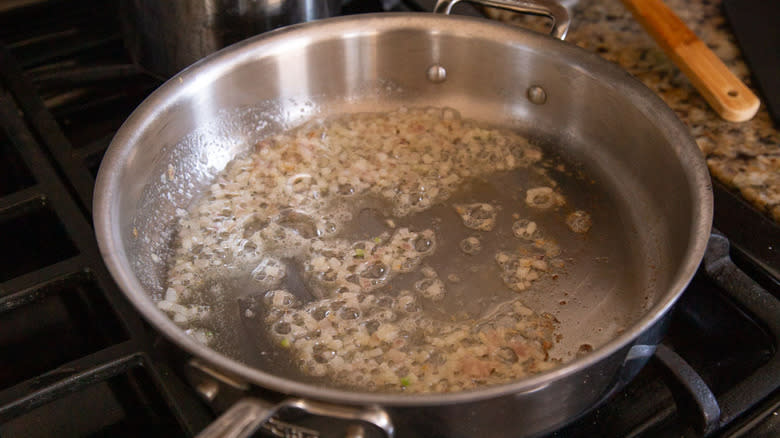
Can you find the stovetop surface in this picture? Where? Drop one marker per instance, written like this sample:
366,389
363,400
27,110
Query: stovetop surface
77,360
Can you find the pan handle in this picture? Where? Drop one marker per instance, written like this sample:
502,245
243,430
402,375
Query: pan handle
248,414
546,8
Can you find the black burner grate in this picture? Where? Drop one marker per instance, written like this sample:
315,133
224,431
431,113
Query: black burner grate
64,319
126,409
77,359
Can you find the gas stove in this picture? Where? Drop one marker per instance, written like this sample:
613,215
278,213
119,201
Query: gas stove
77,359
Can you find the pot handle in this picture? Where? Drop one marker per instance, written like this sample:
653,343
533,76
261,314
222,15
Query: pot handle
248,414
547,8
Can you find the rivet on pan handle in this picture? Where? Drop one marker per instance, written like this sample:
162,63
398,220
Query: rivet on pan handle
248,414
546,8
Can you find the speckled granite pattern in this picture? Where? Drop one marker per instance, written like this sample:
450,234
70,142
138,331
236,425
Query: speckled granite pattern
744,156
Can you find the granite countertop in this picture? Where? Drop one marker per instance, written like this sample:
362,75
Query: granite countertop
744,156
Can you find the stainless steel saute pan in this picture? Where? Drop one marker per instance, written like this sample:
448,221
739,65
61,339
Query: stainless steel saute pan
591,111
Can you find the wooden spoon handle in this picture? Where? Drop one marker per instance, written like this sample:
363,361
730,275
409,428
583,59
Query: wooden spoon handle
725,93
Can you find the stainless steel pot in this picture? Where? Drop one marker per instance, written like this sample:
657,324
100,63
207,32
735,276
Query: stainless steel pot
186,132
166,36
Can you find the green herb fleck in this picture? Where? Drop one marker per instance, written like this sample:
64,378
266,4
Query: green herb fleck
360,253
405,382
285,343
377,240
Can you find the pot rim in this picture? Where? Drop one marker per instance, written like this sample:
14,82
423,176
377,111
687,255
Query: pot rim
212,67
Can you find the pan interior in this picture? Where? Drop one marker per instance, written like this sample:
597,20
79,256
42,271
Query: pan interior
623,169
603,286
